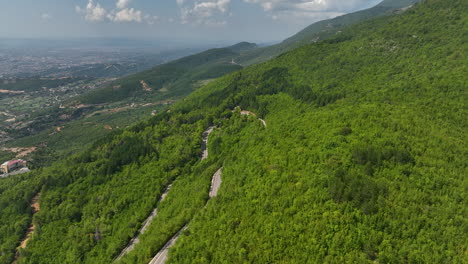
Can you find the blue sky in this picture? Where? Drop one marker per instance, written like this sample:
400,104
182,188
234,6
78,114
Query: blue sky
186,20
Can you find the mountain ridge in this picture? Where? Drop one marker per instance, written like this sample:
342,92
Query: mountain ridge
363,160
324,29
243,54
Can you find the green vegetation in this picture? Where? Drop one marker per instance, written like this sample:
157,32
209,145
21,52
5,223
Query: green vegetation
322,30
59,127
173,79
6,155
363,160
67,138
168,81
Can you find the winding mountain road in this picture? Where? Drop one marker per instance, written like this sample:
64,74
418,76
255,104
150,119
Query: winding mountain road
162,255
245,112
216,183
205,136
144,227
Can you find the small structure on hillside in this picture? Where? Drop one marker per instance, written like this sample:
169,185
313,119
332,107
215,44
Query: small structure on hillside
12,165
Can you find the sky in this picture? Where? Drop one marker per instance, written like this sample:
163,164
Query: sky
259,21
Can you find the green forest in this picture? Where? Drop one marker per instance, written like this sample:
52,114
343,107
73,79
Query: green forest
173,79
322,30
362,160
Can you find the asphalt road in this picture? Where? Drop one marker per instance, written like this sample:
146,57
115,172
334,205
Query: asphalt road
205,136
245,112
161,256
146,224
215,183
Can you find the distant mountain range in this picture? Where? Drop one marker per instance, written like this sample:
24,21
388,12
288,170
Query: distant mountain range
180,77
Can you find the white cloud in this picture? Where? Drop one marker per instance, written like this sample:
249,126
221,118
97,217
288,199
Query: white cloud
94,12
121,4
46,16
126,15
212,11
310,9
312,5
203,12
215,12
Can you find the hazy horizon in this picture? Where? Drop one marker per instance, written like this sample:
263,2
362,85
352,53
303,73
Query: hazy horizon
188,21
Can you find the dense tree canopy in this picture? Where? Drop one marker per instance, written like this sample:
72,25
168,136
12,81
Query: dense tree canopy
363,159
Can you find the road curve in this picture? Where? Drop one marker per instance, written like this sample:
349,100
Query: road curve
205,136
146,224
245,112
161,257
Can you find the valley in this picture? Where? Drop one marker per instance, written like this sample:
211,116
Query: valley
41,117
36,117
74,112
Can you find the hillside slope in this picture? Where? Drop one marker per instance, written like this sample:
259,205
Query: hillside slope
80,118
362,160
150,91
171,80
322,30
180,77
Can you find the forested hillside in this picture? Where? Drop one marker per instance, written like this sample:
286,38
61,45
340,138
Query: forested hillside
362,159
322,30
173,79
113,106
180,77
88,110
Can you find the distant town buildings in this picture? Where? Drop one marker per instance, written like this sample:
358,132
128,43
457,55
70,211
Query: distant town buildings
12,165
